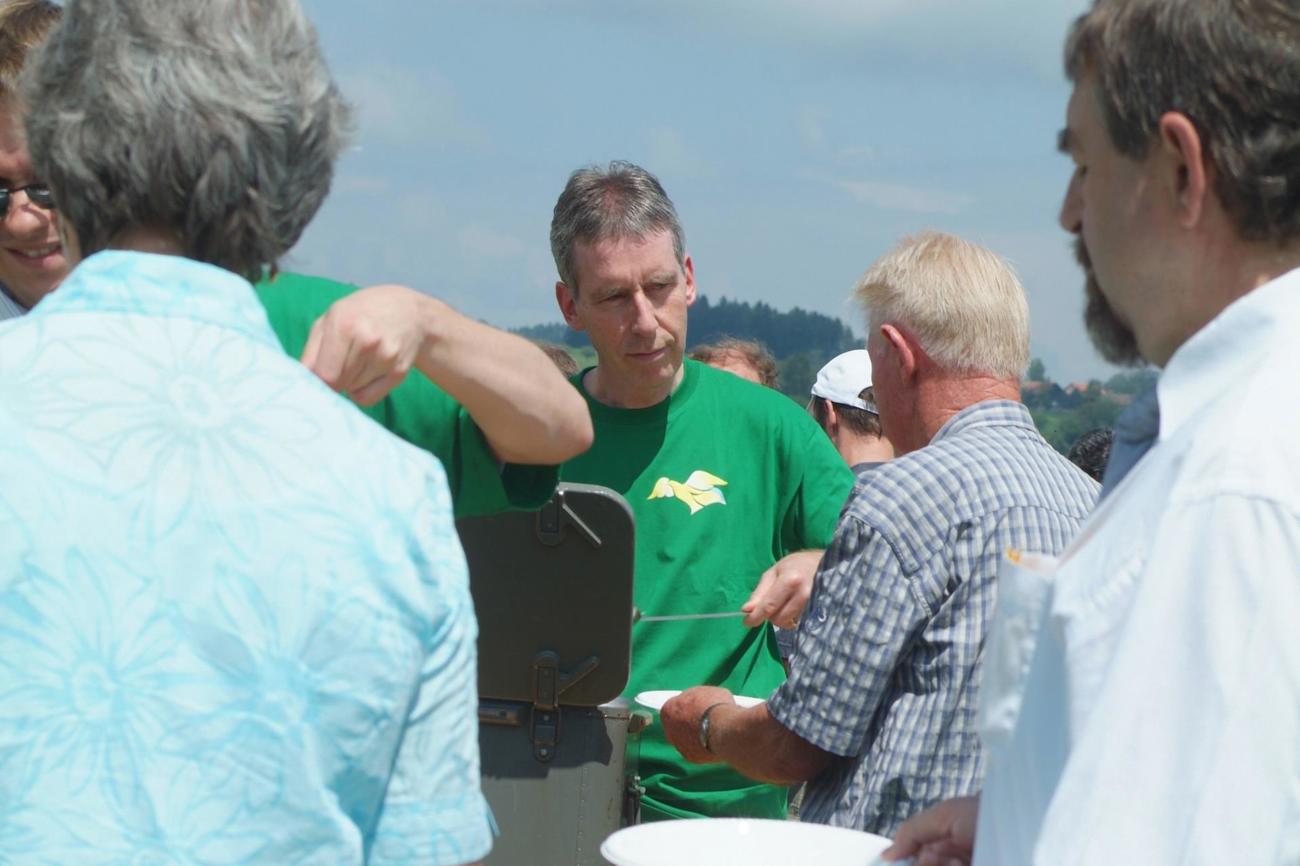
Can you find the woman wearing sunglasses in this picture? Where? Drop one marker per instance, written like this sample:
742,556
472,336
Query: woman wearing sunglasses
31,256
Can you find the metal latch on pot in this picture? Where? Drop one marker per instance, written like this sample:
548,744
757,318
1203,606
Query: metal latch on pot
554,516
548,685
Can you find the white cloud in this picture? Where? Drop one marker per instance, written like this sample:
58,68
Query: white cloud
353,240
831,16
1017,35
864,153
835,18
362,184
479,241
901,197
812,126
409,106
671,155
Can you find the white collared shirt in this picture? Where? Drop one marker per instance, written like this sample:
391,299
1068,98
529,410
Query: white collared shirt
1144,705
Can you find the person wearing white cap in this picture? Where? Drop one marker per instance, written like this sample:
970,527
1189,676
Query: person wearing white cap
844,405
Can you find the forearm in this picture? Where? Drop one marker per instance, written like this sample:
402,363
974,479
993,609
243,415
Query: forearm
526,409
760,747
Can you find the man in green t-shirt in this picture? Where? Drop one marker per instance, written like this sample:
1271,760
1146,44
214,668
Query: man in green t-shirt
732,484
499,417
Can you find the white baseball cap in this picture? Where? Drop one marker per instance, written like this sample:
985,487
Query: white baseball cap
845,377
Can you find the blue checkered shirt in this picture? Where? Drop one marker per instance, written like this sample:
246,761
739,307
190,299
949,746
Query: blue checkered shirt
889,649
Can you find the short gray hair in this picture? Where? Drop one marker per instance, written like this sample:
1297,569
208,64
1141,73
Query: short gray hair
215,119
962,302
601,203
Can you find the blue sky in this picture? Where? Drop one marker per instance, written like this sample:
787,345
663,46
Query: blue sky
799,140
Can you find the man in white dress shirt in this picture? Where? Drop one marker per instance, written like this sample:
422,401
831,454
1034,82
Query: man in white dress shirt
1142,705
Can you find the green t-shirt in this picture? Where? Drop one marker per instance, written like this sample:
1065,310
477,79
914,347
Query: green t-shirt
701,546
416,410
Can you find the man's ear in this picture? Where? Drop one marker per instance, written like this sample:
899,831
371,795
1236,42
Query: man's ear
902,347
568,302
832,419
688,268
1182,166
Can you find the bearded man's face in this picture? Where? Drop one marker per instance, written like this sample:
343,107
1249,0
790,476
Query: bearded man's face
1113,339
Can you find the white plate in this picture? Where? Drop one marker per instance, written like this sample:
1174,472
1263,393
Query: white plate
656,699
747,841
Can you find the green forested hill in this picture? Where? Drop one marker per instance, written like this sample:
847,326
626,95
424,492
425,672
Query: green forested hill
802,342
1064,413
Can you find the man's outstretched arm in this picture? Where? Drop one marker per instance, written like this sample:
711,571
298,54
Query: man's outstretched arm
750,740
365,344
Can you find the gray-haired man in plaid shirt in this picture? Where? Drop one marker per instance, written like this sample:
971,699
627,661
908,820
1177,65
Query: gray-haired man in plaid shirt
879,712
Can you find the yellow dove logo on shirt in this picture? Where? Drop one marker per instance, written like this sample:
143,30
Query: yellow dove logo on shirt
698,491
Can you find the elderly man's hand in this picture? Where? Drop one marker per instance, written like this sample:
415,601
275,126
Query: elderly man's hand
681,720
943,835
366,343
783,590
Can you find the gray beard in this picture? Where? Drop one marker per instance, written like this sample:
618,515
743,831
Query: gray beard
1113,340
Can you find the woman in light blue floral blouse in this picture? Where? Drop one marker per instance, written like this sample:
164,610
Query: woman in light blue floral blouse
235,624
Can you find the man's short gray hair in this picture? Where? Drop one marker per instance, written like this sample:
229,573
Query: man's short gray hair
213,119
962,302
615,202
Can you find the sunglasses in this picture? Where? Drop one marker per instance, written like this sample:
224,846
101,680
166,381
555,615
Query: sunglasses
37,193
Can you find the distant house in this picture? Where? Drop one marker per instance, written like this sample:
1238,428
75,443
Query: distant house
1079,390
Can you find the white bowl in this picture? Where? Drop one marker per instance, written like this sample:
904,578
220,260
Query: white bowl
745,841
656,699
